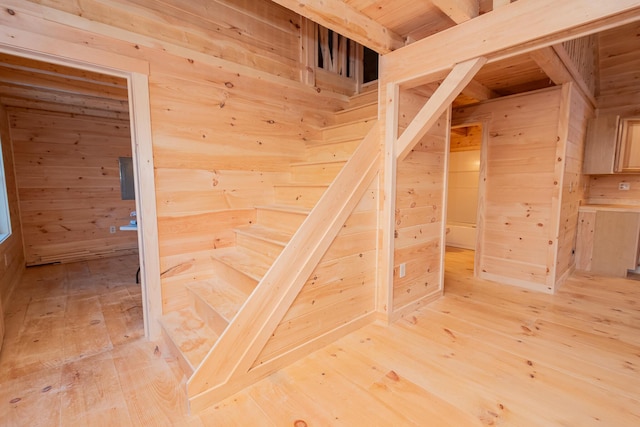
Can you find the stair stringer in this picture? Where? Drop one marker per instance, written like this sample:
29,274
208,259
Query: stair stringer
228,367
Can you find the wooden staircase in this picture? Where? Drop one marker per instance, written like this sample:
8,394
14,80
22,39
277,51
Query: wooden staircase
192,331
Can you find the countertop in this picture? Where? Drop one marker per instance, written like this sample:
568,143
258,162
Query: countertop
609,207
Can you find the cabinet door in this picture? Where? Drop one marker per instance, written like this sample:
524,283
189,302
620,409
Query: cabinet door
601,145
615,243
629,157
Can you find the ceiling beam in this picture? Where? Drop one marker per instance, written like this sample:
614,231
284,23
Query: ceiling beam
344,19
510,30
459,77
478,91
551,65
458,10
560,69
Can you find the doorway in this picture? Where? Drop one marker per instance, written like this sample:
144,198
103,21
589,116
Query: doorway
464,190
137,100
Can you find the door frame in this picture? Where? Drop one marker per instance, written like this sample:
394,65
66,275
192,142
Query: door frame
136,73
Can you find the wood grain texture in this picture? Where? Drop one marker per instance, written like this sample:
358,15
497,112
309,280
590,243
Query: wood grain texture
521,183
68,181
483,354
419,213
577,112
11,248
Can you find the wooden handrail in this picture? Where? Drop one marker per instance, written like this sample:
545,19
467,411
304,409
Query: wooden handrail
247,334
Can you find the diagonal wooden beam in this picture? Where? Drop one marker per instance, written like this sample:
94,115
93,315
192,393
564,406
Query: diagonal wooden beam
346,20
451,87
458,10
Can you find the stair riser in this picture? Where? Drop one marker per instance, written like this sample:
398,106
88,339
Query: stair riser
332,152
175,350
266,248
323,173
284,221
213,319
367,97
306,197
347,131
235,277
362,112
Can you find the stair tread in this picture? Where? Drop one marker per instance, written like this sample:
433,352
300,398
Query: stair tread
319,162
190,334
300,185
358,107
265,233
347,124
224,298
251,264
286,208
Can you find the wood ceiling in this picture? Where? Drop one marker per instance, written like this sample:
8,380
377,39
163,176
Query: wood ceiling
28,83
382,25
387,25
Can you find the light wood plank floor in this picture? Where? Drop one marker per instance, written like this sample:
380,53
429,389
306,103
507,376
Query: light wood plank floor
484,354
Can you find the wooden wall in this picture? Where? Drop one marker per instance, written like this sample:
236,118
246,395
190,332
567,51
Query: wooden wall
419,210
223,133
68,179
11,255
522,188
258,34
619,93
574,115
222,140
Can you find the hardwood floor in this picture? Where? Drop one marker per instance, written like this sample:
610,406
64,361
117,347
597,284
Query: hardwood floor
484,354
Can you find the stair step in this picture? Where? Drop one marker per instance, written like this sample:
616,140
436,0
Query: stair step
265,240
346,131
316,172
367,96
330,151
189,336
240,267
216,302
365,111
299,194
282,217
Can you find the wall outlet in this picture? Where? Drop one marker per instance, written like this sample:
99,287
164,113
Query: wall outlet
403,269
112,229
625,186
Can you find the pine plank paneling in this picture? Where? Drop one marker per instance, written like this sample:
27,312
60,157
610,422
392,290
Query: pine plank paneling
11,253
578,111
68,181
420,199
619,56
519,219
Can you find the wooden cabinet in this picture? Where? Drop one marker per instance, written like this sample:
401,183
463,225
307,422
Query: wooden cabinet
612,145
601,145
607,241
629,145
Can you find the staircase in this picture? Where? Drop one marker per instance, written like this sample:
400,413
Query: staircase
192,332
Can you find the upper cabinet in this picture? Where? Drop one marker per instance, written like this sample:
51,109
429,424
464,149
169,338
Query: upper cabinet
629,151
601,145
612,146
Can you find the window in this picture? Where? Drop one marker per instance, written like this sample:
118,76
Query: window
5,222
